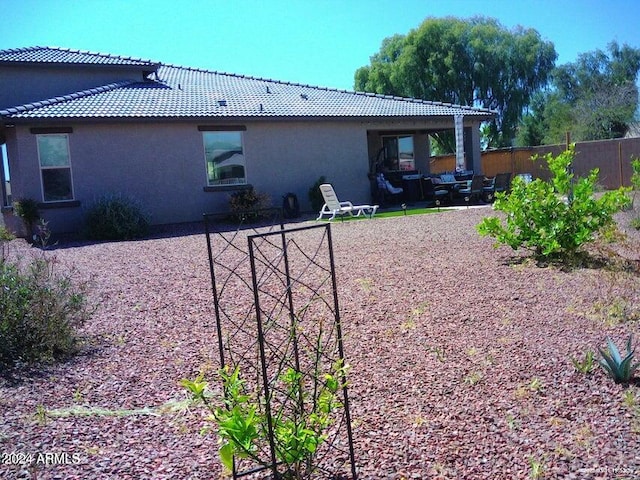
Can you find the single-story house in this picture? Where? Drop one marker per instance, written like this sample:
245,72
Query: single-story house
77,125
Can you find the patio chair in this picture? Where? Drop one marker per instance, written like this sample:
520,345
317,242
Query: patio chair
489,190
333,206
387,193
474,190
500,183
504,182
433,194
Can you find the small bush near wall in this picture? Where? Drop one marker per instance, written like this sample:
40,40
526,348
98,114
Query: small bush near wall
27,210
247,201
116,217
40,310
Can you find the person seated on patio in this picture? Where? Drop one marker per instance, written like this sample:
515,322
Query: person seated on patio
386,189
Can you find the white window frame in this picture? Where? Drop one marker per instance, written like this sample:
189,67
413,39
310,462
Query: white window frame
55,167
231,180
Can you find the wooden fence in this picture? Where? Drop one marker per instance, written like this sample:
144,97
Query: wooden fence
611,157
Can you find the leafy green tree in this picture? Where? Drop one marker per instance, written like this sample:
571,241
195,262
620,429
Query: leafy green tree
532,125
594,98
473,62
546,121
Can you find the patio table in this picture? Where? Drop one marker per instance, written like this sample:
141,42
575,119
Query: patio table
452,187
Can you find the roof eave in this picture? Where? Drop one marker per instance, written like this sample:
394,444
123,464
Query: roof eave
7,117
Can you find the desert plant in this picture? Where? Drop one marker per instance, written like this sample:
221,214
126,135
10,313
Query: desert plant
554,218
536,467
40,311
243,428
473,378
585,365
629,399
27,210
42,233
116,217
246,204
536,385
315,196
618,368
5,237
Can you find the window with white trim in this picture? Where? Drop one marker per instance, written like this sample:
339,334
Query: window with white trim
224,157
55,167
398,152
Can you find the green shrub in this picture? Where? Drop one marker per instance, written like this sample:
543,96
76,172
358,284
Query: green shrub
248,200
315,196
243,428
115,217
635,176
635,181
586,365
27,210
41,234
5,237
554,218
40,311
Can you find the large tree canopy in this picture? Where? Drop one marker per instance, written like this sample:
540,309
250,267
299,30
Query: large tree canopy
594,98
474,62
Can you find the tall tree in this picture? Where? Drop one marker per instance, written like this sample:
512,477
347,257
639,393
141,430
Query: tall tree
474,62
594,98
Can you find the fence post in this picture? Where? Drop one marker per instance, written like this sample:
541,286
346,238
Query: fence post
620,163
513,162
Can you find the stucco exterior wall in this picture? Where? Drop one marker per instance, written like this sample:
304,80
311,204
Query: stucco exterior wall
291,156
162,166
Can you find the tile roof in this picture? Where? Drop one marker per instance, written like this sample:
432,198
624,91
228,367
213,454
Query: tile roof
178,92
58,55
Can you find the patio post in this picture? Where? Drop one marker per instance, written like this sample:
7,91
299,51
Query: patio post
460,161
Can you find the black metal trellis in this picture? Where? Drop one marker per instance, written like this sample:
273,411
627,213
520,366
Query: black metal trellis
276,307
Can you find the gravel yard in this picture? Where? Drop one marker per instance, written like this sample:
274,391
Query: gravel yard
460,360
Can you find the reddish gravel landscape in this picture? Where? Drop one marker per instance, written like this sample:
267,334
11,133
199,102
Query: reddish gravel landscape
460,354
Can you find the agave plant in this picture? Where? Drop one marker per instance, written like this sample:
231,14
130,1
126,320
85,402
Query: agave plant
618,368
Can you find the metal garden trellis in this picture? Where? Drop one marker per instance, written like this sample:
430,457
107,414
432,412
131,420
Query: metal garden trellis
276,307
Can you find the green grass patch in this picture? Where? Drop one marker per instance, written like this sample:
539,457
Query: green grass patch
401,213
389,214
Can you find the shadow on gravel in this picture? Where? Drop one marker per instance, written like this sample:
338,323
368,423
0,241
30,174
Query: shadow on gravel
582,260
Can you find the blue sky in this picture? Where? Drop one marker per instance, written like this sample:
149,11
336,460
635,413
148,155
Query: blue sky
308,41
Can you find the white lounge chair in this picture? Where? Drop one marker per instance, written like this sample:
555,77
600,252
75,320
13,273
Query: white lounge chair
332,206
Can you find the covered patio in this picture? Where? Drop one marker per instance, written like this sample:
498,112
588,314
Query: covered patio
403,156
